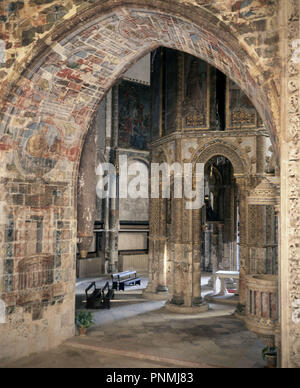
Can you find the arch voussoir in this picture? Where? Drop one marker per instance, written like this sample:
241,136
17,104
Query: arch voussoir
66,85
229,151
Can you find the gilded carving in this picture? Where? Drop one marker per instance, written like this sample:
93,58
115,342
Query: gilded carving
242,117
195,120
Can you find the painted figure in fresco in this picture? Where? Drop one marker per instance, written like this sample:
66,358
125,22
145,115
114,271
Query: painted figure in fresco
37,145
139,134
195,100
247,8
134,116
45,145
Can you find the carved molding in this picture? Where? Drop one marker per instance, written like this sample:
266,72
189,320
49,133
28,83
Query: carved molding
220,148
290,238
264,194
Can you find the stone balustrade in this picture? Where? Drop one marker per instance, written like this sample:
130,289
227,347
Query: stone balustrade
262,304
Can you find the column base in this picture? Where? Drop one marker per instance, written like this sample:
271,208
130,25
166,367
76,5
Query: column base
162,289
156,295
222,299
240,311
181,309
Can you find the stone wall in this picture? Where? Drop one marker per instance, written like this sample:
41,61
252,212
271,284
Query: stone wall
290,185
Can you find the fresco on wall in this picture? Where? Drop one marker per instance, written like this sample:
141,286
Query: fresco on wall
195,104
42,145
250,8
243,10
241,113
170,91
134,115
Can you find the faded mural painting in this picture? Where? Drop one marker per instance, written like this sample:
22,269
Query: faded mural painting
134,115
42,145
241,112
196,93
248,9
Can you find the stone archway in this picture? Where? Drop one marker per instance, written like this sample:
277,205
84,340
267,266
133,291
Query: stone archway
241,171
229,151
45,123
77,71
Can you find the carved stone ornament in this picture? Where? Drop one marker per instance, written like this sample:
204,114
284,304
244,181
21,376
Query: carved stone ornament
264,194
243,117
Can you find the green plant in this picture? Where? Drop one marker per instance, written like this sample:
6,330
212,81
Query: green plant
84,320
269,350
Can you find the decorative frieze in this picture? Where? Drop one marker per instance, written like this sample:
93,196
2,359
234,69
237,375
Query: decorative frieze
262,304
290,178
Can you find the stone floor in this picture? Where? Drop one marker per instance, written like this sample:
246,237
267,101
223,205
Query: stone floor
138,333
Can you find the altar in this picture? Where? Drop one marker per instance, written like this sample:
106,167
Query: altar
223,276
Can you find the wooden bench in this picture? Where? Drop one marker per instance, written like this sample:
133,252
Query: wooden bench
116,279
99,298
93,299
122,279
106,297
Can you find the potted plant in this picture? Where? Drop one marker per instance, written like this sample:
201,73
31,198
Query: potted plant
269,354
84,320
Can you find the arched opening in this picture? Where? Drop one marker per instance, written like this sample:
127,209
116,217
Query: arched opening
220,223
64,90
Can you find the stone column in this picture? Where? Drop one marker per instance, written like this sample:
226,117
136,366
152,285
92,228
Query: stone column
187,272
207,246
107,157
227,254
177,219
187,260
214,253
278,330
114,224
162,248
152,263
157,287
221,245
87,194
236,233
260,154
183,246
244,249
197,299
184,261
178,205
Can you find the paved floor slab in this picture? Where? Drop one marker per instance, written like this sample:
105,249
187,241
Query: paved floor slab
138,333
